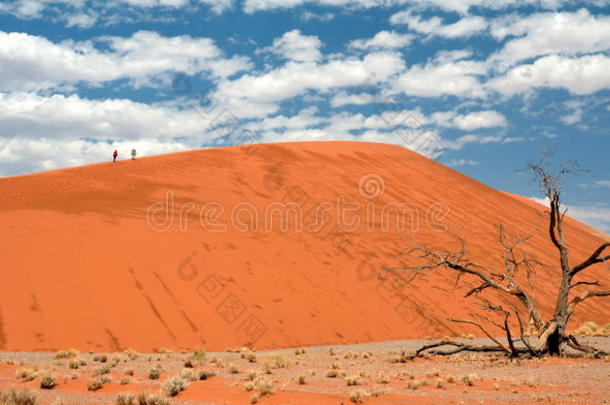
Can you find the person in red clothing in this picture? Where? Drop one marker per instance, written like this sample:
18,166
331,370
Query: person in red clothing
115,155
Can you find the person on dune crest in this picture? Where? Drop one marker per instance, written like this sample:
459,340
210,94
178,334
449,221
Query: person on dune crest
115,155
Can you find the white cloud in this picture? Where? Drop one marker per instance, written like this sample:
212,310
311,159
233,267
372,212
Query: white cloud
462,141
462,162
298,47
218,6
383,40
439,78
465,27
602,183
342,98
29,115
31,62
308,16
459,6
583,75
550,33
294,78
470,122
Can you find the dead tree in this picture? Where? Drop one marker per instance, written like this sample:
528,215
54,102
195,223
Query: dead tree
550,336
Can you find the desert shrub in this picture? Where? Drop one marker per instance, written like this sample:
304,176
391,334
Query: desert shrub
414,384
125,381
106,369
74,364
188,364
251,376
469,379
249,355
265,387
301,379
26,374
48,382
333,373
125,399
131,354
175,386
188,374
354,380
102,358
592,329
440,383
357,396
149,399
382,379
233,369
275,361
200,356
97,383
375,392
299,351
154,374
205,374
66,354
14,397
129,372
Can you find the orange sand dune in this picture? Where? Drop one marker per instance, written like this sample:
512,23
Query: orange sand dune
168,252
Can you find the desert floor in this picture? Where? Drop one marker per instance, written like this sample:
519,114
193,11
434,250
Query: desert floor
372,373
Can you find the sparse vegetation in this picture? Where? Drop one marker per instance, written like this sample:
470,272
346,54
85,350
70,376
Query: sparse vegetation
14,397
200,356
205,374
354,380
66,354
101,358
105,369
48,382
97,383
358,396
125,399
175,386
27,374
275,361
144,398
154,374
592,329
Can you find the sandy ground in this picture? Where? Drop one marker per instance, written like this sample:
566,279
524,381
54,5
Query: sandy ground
85,266
462,379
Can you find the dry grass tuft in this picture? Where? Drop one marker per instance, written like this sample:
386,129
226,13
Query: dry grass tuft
358,396
14,397
175,386
48,382
66,354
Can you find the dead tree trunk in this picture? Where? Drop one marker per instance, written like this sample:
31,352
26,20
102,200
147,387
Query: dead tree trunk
551,333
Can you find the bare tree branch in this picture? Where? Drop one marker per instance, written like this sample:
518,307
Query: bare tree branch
593,259
478,325
586,295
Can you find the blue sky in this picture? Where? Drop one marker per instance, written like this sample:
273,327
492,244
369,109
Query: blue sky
482,86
